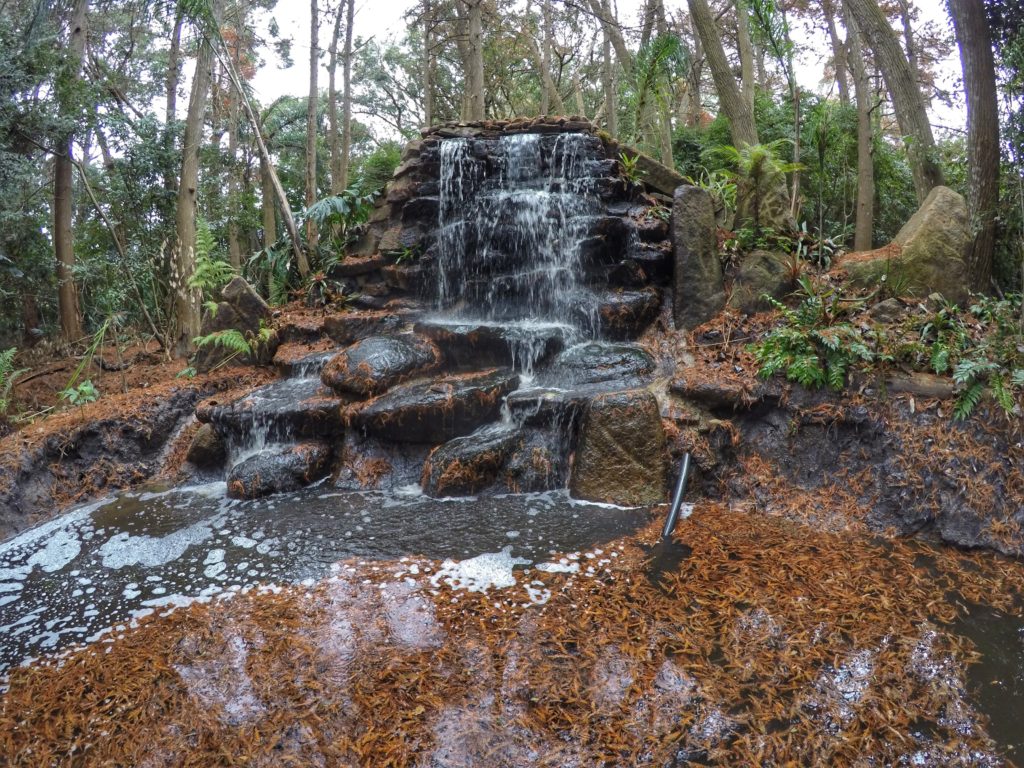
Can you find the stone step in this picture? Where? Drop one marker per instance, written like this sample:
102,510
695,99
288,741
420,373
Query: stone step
278,469
478,344
282,410
375,364
436,411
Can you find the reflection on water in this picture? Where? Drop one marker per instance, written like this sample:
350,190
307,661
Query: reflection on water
108,563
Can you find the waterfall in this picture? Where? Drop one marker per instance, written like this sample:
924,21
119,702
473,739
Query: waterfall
513,214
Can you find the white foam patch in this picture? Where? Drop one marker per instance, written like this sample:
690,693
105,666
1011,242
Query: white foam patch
562,566
480,573
62,547
148,551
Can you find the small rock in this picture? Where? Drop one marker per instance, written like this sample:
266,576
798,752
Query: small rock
762,272
207,449
467,465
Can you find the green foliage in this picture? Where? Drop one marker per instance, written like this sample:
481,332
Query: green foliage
8,375
373,170
815,345
628,166
994,363
212,273
230,339
338,216
81,394
756,170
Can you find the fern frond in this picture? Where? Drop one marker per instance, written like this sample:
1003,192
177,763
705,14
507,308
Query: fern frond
968,401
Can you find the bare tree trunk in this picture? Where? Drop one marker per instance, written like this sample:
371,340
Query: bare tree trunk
267,206
901,80
733,103
911,44
976,58
333,134
611,28
695,106
746,48
839,57
187,300
864,228
346,95
173,76
428,64
234,176
63,164
475,64
611,107
545,93
311,123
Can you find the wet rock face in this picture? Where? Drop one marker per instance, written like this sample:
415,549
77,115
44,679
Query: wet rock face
762,272
278,469
285,409
436,411
622,455
627,314
466,465
469,345
595,363
374,365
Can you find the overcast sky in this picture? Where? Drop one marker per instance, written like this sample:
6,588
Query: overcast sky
383,19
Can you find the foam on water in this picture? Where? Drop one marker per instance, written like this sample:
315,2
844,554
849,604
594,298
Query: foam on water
491,570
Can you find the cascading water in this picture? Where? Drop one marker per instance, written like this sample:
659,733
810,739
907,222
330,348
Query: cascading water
512,220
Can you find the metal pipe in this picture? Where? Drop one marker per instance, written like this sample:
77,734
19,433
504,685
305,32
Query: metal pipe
677,498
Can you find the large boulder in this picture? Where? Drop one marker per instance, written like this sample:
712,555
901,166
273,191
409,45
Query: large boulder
278,469
698,289
436,411
595,362
622,456
374,365
242,310
928,254
762,272
475,345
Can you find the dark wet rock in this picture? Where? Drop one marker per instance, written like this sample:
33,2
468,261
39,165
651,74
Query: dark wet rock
698,289
369,463
596,362
242,310
278,469
296,360
540,462
627,274
467,465
761,273
436,411
377,363
207,450
650,226
543,407
405,277
655,259
349,327
622,456
476,345
627,314
285,409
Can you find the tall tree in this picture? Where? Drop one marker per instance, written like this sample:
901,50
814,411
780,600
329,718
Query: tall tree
840,58
346,95
977,60
428,63
864,226
333,134
63,166
608,83
472,49
733,103
901,81
186,298
311,120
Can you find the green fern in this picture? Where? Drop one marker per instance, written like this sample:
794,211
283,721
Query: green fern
212,273
968,400
231,340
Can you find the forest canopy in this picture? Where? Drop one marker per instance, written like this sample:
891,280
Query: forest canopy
141,168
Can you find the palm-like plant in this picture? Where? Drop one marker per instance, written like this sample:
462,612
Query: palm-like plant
756,169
